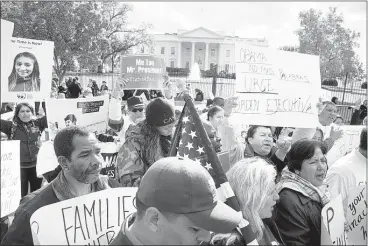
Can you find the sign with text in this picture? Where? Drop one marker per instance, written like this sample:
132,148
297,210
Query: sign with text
10,177
91,113
93,219
333,219
143,72
348,142
274,85
357,216
27,72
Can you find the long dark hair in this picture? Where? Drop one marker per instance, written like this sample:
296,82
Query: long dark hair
35,76
19,106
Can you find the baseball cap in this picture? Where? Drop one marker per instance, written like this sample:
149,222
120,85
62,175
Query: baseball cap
182,186
135,102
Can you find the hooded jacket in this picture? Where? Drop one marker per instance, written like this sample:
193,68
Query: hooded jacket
29,135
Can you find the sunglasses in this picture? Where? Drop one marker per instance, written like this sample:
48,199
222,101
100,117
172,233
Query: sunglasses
135,110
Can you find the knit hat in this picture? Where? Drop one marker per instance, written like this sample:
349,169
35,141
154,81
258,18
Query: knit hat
160,112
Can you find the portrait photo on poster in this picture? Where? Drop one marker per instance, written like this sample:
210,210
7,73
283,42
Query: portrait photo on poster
25,75
27,72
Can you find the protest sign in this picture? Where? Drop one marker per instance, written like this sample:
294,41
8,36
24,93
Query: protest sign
10,176
27,72
333,232
348,142
91,113
357,216
276,88
6,34
109,152
143,72
93,219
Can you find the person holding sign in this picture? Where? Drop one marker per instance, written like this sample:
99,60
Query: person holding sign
176,205
301,194
28,130
25,75
78,153
253,182
349,171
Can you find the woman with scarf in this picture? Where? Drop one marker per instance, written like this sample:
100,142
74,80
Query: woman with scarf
259,142
28,130
302,194
253,182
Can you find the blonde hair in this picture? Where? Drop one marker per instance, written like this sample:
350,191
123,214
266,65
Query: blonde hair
252,180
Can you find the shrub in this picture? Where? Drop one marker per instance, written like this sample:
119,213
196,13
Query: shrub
330,82
364,85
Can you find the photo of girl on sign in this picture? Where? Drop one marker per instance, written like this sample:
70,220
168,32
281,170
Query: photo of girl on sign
25,75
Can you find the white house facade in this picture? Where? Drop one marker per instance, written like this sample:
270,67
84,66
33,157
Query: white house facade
202,46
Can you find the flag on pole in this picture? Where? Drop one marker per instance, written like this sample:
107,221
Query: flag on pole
191,141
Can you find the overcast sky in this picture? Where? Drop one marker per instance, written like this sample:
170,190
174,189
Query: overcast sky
275,21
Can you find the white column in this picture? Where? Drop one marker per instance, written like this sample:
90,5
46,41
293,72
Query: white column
193,50
179,55
206,57
219,57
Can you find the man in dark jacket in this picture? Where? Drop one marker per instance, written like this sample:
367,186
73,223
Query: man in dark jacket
78,154
74,90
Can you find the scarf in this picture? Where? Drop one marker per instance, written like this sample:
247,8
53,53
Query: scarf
294,182
62,191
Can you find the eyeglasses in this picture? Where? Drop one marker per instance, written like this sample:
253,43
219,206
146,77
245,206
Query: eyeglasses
135,110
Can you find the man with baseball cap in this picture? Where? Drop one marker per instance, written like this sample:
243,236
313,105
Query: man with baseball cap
135,114
176,205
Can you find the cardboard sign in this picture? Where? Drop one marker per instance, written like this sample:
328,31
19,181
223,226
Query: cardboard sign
93,219
357,216
91,113
348,142
274,85
332,224
143,72
27,72
10,177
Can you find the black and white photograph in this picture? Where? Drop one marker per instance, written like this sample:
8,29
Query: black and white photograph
183,123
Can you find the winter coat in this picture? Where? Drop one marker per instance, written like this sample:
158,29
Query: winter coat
298,218
132,161
29,135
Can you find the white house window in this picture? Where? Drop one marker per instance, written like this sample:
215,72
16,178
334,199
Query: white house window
172,64
227,68
227,53
173,50
213,52
142,49
162,50
187,65
211,66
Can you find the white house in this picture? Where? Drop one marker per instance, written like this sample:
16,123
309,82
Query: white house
207,48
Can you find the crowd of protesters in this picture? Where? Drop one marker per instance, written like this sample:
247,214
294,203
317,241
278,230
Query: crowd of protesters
280,175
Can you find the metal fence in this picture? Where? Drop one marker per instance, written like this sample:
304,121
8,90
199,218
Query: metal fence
221,79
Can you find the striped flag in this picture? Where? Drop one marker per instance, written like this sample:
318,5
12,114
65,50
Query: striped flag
191,141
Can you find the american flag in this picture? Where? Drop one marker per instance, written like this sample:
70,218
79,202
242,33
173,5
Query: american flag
191,141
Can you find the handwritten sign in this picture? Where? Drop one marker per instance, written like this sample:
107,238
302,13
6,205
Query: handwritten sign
348,142
143,71
27,73
274,85
333,223
10,177
357,216
91,113
93,219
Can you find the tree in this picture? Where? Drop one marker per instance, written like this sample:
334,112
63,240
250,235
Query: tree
87,32
325,36
115,38
71,26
